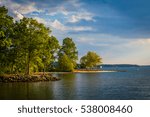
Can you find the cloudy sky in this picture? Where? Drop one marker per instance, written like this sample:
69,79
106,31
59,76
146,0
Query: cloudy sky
118,30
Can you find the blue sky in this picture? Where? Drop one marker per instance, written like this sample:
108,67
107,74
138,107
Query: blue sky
118,30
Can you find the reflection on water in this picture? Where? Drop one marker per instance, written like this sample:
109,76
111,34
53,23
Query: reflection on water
133,84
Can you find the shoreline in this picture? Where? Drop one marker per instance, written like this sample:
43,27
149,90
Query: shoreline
93,71
47,76
87,71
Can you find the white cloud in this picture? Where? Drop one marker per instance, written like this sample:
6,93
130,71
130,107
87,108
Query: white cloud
59,26
70,9
99,39
86,40
41,20
56,10
63,10
82,15
134,51
140,42
99,44
80,28
74,14
23,9
29,8
115,49
75,3
18,15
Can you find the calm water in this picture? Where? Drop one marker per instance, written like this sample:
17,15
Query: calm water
133,84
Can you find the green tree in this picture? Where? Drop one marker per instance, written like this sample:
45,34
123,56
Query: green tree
70,49
53,43
6,31
65,63
30,41
50,52
90,60
54,46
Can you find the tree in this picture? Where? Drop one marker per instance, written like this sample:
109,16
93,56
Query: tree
54,46
30,40
90,60
69,48
65,63
50,52
6,31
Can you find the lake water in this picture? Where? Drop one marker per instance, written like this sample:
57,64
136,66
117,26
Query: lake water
132,84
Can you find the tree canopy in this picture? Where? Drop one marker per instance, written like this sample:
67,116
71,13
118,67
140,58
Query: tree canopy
6,32
90,60
69,48
31,39
25,45
65,63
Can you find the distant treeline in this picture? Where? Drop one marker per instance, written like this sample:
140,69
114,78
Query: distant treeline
118,65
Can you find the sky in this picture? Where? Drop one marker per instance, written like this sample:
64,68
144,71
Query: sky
117,30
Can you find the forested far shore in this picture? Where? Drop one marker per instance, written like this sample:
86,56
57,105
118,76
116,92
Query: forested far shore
27,46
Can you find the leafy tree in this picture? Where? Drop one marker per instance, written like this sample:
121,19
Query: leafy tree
6,31
53,43
54,46
65,63
69,48
90,60
50,52
30,40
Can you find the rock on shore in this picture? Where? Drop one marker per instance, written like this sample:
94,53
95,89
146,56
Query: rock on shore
27,78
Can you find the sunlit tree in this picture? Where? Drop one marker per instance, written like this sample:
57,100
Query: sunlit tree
90,60
69,48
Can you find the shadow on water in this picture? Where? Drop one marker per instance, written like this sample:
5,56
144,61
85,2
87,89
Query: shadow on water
27,91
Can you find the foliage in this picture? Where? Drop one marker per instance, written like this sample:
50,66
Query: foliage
25,46
30,40
90,60
69,48
65,63
6,31
50,52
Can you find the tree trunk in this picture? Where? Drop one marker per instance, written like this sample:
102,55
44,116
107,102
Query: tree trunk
28,68
28,65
